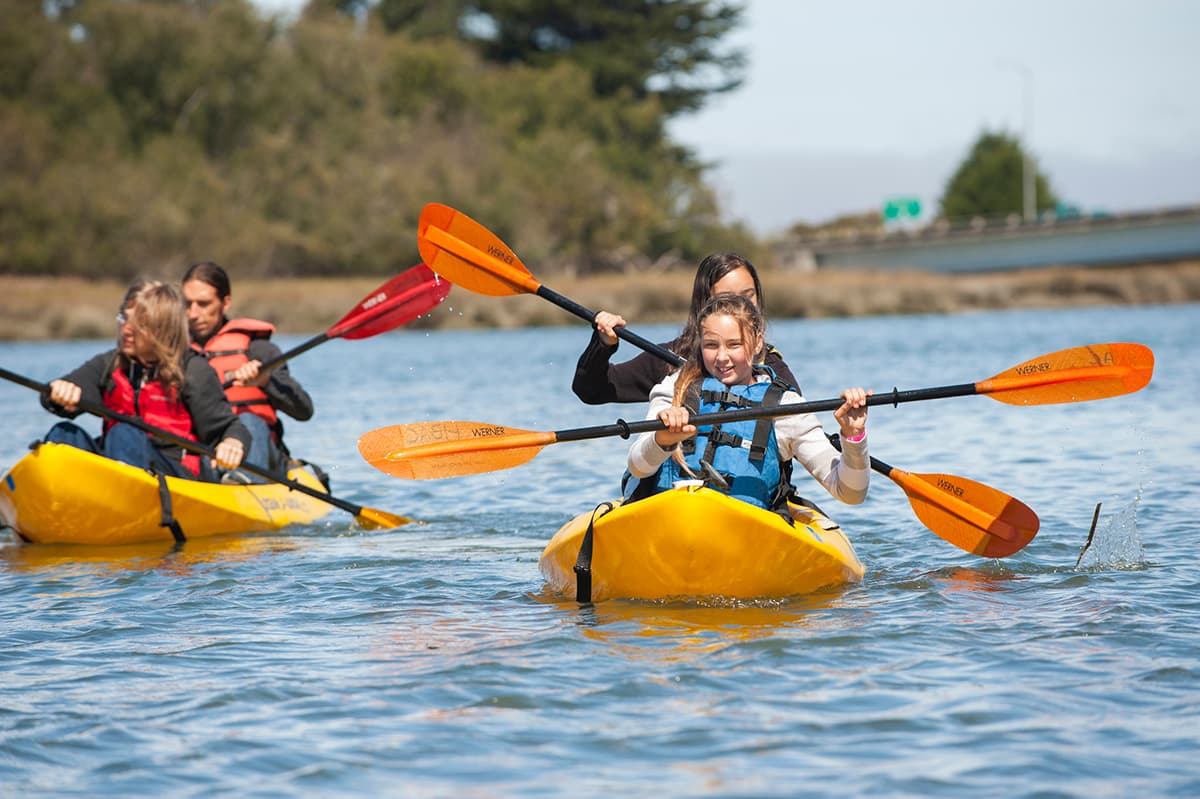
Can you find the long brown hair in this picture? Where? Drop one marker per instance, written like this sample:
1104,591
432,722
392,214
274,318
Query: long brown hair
159,315
750,322
708,274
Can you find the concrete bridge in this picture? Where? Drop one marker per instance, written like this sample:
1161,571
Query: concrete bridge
1009,243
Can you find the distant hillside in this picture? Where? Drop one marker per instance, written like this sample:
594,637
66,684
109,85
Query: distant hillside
62,308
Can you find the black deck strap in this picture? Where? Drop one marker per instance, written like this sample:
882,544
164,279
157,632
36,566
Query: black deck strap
164,501
583,561
805,502
321,474
785,487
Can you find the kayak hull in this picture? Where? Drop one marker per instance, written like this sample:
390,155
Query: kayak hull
62,494
696,542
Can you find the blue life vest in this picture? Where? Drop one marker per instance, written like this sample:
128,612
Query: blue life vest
744,453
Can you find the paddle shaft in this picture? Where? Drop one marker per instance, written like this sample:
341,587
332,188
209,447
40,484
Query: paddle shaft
191,446
568,304
625,429
287,356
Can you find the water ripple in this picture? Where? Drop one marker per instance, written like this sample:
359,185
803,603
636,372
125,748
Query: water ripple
431,660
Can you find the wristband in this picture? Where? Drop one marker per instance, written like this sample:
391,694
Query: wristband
855,439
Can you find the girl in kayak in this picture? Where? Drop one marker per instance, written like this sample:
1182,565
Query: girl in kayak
152,374
597,381
724,370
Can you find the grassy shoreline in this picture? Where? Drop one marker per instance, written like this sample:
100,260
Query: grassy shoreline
45,308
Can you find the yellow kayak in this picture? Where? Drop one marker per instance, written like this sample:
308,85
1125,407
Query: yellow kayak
693,541
61,494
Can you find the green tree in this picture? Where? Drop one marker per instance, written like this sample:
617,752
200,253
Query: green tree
136,137
670,50
990,181
422,19
667,49
179,66
419,19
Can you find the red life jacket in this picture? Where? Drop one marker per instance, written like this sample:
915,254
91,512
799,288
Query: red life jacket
155,405
226,351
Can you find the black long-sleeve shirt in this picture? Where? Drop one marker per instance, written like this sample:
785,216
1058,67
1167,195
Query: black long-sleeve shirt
597,381
284,391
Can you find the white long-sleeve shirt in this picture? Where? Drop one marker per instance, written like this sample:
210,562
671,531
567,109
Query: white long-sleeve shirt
845,475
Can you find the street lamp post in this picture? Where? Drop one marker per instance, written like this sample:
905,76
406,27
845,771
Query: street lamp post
1028,170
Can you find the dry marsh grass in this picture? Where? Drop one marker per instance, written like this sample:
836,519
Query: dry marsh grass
64,308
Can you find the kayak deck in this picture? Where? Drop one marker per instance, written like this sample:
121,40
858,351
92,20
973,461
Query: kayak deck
61,494
694,541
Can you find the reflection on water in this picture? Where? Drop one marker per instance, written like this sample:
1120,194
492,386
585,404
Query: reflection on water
431,639
993,579
667,631
65,560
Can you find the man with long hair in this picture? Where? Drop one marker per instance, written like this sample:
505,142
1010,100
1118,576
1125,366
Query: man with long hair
236,349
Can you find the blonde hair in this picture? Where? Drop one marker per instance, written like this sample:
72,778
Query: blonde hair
158,313
750,322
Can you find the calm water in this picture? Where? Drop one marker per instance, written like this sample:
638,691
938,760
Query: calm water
429,661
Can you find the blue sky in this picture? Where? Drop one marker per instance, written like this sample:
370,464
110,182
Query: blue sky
846,105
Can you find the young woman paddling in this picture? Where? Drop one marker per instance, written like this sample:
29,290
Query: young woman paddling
724,371
152,374
597,381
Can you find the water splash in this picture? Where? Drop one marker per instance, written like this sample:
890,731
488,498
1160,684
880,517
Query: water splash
1115,542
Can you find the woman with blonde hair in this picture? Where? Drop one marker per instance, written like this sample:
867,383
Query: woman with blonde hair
152,374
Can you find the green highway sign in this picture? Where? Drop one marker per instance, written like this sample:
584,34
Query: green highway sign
900,207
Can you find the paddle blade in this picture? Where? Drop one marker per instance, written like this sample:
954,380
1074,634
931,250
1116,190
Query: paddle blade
397,302
431,450
374,519
469,254
970,515
1077,374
